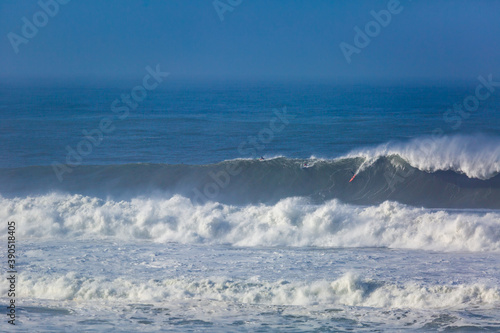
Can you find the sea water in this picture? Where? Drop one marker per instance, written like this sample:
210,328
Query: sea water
172,221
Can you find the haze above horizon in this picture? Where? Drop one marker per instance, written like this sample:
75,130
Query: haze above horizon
250,39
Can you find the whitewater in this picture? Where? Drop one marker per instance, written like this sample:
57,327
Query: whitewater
293,222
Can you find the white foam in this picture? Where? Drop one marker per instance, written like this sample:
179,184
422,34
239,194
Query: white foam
349,290
476,156
290,222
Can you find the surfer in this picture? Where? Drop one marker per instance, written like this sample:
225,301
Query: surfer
261,158
353,176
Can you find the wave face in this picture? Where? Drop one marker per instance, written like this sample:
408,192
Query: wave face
446,172
291,222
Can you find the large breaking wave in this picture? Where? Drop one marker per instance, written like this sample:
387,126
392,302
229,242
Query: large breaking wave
475,156
445,172
401,198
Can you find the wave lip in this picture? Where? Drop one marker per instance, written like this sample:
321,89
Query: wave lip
292,222
477,156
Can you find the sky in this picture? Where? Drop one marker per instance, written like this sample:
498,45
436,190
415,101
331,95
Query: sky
255,39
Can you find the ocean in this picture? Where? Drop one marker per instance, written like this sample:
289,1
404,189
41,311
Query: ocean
251,206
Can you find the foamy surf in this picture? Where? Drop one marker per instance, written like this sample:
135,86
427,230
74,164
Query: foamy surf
185,285
347,290
290,222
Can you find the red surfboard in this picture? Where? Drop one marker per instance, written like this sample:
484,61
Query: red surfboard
353,178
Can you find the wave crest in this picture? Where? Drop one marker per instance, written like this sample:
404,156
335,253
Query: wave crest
477,156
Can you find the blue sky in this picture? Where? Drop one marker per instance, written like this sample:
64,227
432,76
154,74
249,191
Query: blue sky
261,39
